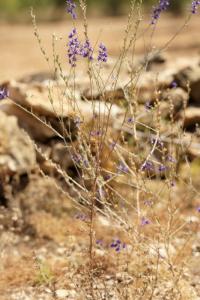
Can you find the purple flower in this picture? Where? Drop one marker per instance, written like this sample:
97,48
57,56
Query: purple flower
145,221
195,5
87,50
108,177
162,168
130,120
198,209
157,10
147,166
73,48
103,55
71,8
122,168
3,93
117,245
173,85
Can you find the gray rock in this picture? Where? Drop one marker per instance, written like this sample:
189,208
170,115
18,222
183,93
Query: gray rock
17,153
190,76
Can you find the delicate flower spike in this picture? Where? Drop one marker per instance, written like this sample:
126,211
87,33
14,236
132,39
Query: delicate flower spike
103,55
157,10
72,33
87,50
195,5
3,93
73,48
71,6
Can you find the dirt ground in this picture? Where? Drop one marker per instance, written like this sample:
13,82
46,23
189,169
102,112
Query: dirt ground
20,54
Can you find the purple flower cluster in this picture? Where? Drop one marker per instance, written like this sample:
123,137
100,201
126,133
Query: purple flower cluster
103,55
87,50
71,6
195,5
73,47
147,166
118,245
157,10
3,93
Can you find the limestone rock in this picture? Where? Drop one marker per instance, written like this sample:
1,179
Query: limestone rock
31,104
174,98
17,154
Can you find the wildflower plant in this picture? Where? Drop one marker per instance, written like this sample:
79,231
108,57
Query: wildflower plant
157,10
119,158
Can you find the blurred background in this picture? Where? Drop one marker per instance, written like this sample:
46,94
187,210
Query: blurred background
53,10
20,53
